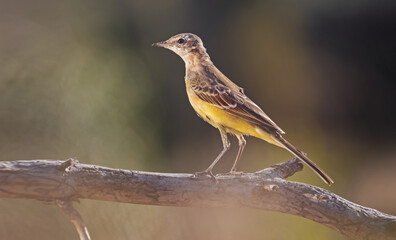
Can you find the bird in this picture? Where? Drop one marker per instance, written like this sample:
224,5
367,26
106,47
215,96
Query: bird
224,105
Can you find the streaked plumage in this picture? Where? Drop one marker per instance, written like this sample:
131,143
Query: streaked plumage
224,105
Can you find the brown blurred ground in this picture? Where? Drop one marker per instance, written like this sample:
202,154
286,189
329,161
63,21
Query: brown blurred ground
80,79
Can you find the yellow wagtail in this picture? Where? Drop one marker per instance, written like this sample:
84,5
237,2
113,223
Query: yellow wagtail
224,105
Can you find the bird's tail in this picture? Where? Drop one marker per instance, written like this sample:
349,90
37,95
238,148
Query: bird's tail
302,157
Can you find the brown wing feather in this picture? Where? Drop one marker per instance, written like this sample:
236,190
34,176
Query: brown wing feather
234,102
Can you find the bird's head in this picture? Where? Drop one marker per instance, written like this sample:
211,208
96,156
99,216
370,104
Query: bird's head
186,45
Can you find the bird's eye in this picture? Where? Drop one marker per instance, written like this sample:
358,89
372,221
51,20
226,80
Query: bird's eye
181,41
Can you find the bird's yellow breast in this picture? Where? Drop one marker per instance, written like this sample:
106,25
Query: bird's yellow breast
219,118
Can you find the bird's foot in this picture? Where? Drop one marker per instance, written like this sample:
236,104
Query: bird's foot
233,172
205,173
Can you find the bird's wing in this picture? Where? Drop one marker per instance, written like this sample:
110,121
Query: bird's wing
233,102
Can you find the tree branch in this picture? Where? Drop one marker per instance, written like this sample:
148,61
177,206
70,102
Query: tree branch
75,218
51,180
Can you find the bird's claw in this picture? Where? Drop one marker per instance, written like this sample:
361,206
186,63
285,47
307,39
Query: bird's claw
233,172
206,173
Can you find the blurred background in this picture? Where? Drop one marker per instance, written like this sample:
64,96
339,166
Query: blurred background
80,79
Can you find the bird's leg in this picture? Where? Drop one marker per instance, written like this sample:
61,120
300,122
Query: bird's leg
242,144
226,146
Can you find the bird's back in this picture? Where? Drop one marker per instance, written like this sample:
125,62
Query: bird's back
213,87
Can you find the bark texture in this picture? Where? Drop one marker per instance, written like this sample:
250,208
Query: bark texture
64,181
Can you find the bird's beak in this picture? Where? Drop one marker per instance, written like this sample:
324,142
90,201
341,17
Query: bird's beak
160,44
